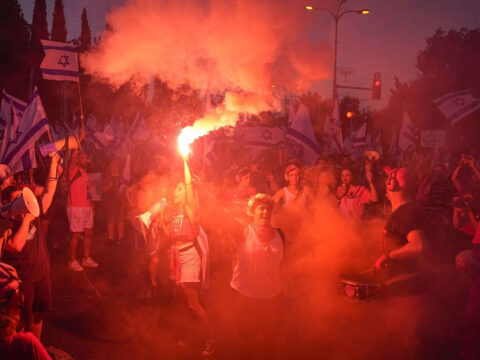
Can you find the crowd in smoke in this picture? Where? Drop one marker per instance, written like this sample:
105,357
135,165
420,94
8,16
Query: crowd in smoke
324,238
316,222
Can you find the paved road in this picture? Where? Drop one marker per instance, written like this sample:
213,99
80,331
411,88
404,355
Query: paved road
104,314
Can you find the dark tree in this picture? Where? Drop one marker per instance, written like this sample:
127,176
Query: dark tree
85,36
318,107
450,59
14,49
59,30
39,31
449,62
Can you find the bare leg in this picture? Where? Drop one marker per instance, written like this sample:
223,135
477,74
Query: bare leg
194,305
35,327
111,231
87,243
73,246
153,270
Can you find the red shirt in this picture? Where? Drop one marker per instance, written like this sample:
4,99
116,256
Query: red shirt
79,195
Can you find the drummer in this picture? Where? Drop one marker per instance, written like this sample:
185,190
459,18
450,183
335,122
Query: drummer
404,235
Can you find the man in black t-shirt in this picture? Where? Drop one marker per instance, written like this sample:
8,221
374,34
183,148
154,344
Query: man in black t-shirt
27,252
404,235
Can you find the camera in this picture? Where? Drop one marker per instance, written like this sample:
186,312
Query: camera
465,159
462,203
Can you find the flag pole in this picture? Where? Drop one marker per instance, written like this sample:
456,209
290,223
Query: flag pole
80,102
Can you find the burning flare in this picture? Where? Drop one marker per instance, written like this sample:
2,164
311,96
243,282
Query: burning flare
226,114
187,136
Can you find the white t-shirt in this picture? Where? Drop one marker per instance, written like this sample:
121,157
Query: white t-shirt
352,205
258,268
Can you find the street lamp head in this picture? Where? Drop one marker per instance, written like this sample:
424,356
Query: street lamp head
309,7
364,11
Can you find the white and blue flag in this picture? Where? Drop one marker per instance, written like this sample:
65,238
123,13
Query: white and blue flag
359,137
60,62
103,138
408,135
300,139
33,124
11,121
257,138
10,102
139,130
456,105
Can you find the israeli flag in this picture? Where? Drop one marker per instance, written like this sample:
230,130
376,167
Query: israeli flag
60,62
139,130
103,138
360,135
458,104
33,124
409,134
300,139
10,102
11,127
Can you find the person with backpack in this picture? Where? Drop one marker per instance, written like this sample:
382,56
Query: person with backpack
258,281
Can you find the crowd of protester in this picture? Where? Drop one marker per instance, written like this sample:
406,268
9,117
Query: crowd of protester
156,215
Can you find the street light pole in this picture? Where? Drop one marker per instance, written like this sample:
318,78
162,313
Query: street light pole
337,16
335,56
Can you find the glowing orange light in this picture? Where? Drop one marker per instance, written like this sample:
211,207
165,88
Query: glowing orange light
186,137
308,7
365,12
350,114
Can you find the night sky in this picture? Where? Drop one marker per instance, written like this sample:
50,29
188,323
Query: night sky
386,41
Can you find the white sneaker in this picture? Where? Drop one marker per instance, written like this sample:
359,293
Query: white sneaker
75,266
89,262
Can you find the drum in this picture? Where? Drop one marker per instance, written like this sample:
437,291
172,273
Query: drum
360,286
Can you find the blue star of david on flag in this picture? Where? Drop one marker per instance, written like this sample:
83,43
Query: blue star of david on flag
60,62
267,134
63,60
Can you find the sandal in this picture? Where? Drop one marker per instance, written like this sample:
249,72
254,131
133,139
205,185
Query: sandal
210,347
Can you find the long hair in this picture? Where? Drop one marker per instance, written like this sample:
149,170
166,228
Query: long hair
8,322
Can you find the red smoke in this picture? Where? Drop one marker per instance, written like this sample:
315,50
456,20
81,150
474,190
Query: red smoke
246,45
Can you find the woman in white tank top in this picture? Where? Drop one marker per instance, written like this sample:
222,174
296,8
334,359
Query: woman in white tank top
258,278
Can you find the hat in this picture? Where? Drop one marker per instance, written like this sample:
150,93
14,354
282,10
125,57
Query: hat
8,279
5,171
291,167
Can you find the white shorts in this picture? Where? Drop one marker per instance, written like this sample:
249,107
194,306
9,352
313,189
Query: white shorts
80,218
189,262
